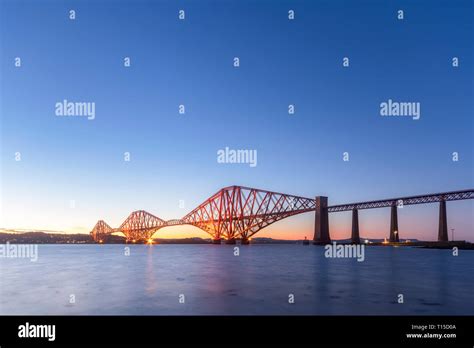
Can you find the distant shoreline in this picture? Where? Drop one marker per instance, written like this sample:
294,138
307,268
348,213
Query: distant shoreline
81,238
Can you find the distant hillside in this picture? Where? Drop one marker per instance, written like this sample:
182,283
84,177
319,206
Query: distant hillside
51,238
81,238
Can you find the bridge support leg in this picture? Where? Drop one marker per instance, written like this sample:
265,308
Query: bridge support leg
244,241
321,222
355,227
216,241
443,222
394,235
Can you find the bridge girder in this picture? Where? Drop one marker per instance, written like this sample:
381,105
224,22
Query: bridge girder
420,199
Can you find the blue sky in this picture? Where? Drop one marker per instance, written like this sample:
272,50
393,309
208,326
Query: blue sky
190,62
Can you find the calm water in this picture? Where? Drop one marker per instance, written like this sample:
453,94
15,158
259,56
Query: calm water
214,281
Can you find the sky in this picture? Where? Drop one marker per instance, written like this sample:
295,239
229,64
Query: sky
72,171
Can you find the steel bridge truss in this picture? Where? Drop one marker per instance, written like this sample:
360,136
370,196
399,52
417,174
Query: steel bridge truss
237,212
240,212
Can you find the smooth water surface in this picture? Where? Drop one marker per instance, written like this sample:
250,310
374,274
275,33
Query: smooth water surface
153,279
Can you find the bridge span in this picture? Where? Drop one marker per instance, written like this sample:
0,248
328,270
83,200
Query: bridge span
238,212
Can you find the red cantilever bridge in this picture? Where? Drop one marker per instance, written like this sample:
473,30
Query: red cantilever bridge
237,212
